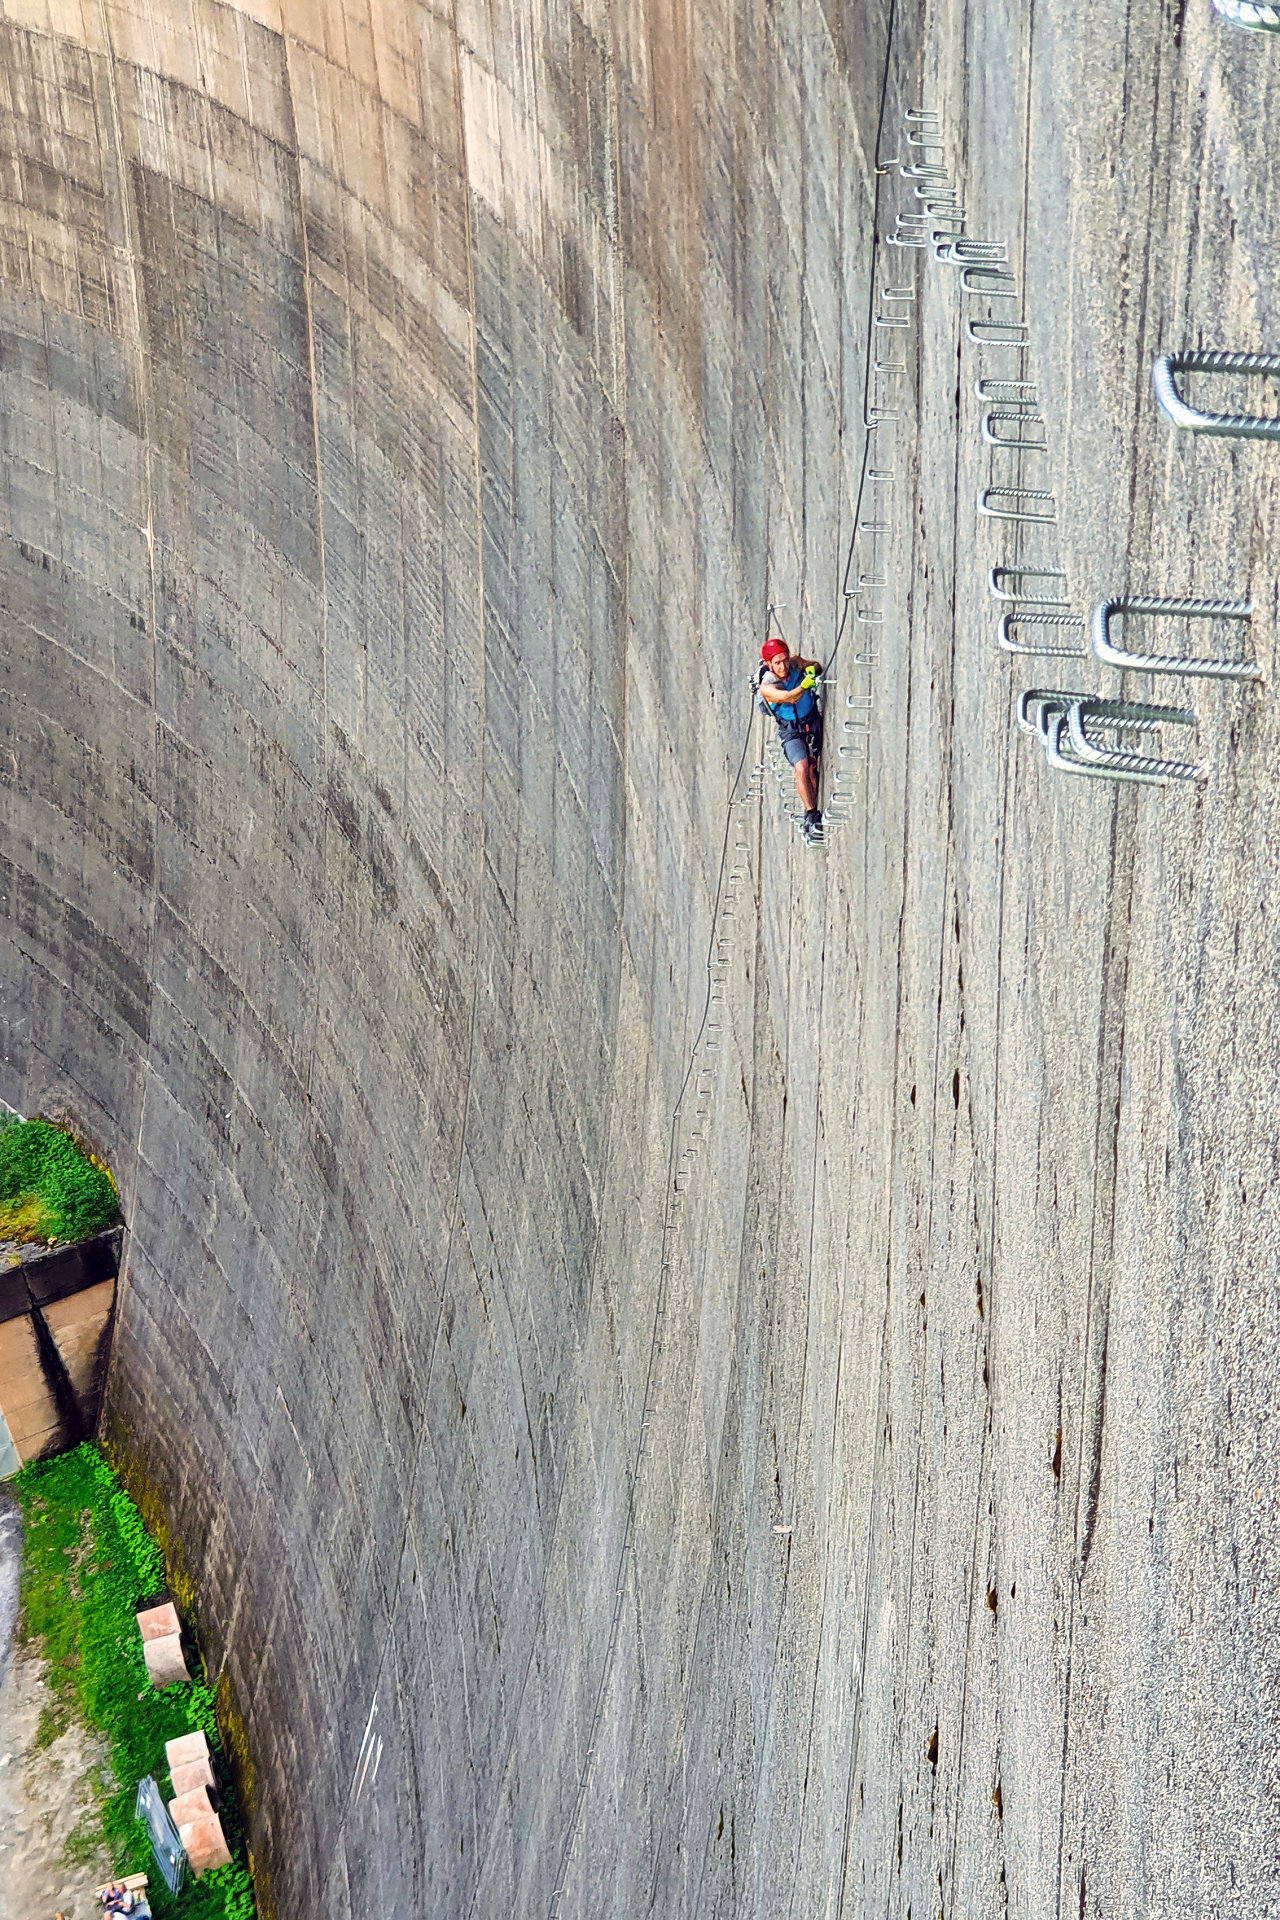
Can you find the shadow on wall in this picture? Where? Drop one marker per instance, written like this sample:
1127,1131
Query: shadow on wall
56,1318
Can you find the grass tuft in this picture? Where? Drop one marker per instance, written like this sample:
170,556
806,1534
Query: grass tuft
88,1564
49,1189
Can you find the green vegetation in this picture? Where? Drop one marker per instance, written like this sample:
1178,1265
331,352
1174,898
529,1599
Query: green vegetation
88,1565
49,1189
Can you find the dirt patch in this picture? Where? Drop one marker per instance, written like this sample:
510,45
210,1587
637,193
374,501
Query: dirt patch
52,1774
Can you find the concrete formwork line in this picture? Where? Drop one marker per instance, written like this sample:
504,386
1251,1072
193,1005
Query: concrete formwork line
706,1024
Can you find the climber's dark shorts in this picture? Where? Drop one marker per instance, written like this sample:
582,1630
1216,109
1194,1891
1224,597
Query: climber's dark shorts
801,739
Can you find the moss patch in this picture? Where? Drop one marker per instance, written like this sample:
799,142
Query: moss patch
88,1565
49,1189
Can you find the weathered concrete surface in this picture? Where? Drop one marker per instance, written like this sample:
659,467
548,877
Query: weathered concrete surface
407,416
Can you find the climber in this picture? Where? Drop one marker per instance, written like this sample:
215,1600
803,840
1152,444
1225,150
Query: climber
786,689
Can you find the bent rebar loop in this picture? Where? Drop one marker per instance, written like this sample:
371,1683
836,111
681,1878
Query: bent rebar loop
1135,768
1028,573
1130,714
1021,395
1009,645
990,495
1017,441
1057,708
1094,754
1234,426
988,283
1131,605
999,333
1251,14
962,251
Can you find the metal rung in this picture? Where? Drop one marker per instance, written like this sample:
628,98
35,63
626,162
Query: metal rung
1235,426
874,526
1132,605
897,293
870,616
869,580
887,366
992,512
891,320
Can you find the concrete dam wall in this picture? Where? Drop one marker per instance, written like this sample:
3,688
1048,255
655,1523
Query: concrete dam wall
409,415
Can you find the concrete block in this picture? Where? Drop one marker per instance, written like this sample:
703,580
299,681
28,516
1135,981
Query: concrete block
165,1663
185,1749
206,1844
186,1807
155,1623
196,1773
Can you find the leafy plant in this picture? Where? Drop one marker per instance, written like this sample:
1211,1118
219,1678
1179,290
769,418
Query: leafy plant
88,1564
49,1189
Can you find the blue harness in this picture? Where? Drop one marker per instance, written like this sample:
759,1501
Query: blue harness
804,706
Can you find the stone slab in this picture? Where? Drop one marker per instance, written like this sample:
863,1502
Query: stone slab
156,1623
165,1663
206,1844
187,1748
194,1805
197,1773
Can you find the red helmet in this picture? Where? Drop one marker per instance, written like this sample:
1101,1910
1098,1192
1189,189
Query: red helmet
772,648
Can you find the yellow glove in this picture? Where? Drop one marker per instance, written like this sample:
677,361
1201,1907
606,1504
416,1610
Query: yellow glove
810,675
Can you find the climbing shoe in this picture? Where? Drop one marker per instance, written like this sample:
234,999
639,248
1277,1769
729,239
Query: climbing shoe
813,826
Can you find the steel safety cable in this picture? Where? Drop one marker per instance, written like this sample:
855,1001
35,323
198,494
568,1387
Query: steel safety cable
881,170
